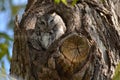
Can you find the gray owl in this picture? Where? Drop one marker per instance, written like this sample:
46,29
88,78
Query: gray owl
48,28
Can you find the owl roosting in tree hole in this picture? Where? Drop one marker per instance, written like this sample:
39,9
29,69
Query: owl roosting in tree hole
48,28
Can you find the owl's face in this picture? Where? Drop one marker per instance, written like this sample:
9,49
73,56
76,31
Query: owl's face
45,23
48,28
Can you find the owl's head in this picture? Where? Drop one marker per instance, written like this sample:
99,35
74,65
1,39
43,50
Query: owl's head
48,28
46,22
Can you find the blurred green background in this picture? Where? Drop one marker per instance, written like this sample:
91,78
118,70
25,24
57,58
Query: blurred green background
8,11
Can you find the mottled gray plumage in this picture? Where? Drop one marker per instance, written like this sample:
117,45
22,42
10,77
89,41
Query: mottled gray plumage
48,28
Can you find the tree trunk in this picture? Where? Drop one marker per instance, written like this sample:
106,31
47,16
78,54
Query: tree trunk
88,50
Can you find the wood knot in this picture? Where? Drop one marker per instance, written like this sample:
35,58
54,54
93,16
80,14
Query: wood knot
74,51
75,48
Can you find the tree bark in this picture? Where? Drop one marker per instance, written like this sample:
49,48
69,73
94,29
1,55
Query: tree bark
89,49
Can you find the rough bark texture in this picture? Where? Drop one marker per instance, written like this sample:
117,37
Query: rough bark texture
89,50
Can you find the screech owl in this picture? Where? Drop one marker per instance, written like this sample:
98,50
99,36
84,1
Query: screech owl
48,28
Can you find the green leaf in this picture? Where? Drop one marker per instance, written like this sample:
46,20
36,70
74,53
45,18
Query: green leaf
57,1
64,2
4,45
74,2
4,35
117,73
4,50
15,9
